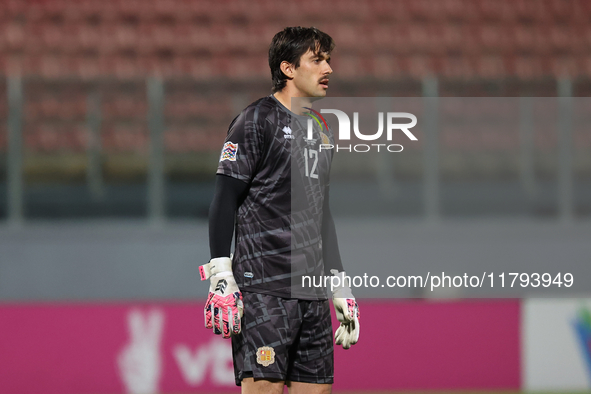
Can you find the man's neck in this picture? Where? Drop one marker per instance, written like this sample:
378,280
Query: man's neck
285,97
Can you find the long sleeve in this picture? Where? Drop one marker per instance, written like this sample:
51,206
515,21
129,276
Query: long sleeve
330,245
229,194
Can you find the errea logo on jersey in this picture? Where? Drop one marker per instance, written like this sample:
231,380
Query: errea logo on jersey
287,131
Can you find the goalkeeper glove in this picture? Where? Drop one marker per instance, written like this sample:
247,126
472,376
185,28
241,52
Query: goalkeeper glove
347,312
223,309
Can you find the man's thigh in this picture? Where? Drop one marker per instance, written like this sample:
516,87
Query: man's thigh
260,386
251,386
309,388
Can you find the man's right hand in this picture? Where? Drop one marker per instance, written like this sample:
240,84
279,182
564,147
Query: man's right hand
223,309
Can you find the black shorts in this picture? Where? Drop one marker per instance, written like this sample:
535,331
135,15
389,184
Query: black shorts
286,339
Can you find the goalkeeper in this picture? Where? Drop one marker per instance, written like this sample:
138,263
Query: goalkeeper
272,191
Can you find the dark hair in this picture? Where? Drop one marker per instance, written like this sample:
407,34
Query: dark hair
290,44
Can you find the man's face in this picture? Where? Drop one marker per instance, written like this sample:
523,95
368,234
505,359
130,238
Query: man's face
311,77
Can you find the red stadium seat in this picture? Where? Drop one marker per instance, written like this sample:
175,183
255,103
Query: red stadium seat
55,138
347,66
529,11
491,37
53,66
182,11
495,10
125,138
202,69
53,37
184,139
425,10
527,39
244,67
459,10
162,37
351,10
562,39
386,66
42,138
89,37
108,39
351,38
565,66
145,42
200,39
452,38
388,11
124,107
381,38
126,38
419,66
182,39
560,10
528,67
491,67
15,8
14,36
457,67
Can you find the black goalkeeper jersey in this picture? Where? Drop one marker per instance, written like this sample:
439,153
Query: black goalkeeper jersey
278,226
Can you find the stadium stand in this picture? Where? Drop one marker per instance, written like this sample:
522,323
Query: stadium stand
379,41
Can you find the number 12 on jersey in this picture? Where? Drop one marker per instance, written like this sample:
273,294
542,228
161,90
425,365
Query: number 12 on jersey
311,154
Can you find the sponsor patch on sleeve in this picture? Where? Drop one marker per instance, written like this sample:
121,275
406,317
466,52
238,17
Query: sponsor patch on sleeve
229,151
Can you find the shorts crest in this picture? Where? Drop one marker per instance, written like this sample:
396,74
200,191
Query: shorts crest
265,356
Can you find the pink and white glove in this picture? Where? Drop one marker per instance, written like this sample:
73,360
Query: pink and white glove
223,309
347,312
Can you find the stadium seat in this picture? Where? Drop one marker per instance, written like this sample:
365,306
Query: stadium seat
55,138
564,66
351,38
452,38
561,11
490,67
457,67
527,67
562,39
386,67
125,37
184,139
419,66
459,10
125,138
202,69
124,107
244,67
14,36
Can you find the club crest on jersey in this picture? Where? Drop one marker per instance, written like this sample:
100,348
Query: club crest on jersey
325,139
265,356
287,131
229,151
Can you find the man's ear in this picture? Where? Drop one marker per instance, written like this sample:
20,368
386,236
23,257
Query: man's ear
287,68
